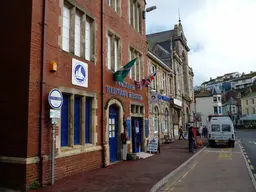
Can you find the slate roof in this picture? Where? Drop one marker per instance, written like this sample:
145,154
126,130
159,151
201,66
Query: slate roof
159,37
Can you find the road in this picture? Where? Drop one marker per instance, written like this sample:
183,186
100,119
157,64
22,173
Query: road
248,141
214,170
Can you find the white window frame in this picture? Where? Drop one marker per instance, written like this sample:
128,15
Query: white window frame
130,58
116,55
109,63
66,25
88,43
77,38
109,2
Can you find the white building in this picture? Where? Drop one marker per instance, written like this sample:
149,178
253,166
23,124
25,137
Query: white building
208,103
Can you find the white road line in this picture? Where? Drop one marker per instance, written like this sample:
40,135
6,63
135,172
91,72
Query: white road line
252,168
254,143
249,161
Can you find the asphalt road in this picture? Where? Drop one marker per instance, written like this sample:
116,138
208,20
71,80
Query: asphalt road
248,141
219,169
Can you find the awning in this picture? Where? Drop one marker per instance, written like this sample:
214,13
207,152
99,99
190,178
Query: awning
249,118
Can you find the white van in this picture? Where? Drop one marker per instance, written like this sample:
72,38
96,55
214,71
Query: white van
221,131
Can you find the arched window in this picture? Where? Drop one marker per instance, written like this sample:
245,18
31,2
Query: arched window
156,124
166,122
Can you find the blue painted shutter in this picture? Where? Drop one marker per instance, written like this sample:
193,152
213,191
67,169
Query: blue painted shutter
146,128
88,111
64,121
77,114
128,123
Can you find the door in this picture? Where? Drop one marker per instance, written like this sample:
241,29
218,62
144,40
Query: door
112,132
136,135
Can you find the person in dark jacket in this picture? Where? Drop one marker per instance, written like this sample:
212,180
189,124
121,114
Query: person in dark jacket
191,139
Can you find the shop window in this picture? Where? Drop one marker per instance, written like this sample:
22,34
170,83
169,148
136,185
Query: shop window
77,119
64,121
77,32
81,106
137,109
88,109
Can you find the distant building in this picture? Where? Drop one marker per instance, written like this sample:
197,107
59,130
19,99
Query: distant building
208,102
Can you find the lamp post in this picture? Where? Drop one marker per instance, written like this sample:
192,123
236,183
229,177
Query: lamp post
148,10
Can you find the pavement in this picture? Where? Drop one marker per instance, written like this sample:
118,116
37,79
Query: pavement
140,175
214,170
248,141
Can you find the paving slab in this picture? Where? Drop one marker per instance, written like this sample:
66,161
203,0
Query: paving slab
138,176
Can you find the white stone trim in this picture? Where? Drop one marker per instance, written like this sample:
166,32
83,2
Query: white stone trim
19,160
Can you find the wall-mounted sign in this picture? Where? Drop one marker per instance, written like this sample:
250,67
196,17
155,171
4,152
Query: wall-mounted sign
164,98
177,102
154,97
126,85
55,98
123,93
79,73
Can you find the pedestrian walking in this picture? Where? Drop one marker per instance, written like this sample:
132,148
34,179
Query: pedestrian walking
181,133
191,140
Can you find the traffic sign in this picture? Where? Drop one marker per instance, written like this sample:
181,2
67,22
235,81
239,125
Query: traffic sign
55,98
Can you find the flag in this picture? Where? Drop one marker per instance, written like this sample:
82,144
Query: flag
138,84
123,72
149,79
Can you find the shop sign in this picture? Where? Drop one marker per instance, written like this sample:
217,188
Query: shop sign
126,85
79,73
177,102
123,93
164,98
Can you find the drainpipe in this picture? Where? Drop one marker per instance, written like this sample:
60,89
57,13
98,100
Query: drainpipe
102,84
42,91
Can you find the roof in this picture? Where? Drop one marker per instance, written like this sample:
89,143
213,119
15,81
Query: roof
159,37
204,93
246,76
231,101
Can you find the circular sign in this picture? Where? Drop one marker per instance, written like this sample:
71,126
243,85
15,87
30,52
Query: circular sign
55,98
80,74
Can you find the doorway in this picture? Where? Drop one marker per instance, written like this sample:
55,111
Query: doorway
113,133
137,127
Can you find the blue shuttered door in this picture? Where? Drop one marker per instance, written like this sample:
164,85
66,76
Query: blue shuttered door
64,121
112,130
88,110
77,118
146,128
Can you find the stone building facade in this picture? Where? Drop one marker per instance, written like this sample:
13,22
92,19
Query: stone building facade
160,111
172,48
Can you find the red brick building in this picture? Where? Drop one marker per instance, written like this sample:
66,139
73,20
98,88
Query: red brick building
68,34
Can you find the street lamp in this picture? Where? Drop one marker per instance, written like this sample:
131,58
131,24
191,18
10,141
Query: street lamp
148,10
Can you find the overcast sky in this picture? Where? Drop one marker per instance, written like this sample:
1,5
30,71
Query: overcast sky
221,33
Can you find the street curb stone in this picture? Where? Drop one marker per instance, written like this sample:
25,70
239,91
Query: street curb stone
163,181
248,168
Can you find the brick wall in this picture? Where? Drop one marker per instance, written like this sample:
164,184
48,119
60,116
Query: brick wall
62,78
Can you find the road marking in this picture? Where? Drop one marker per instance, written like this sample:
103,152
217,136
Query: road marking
254,143
223,152
180,178
244,152
246,156
249,161
249,142
252,168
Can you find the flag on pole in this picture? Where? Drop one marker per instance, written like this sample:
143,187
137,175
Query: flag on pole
123,72
149,79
